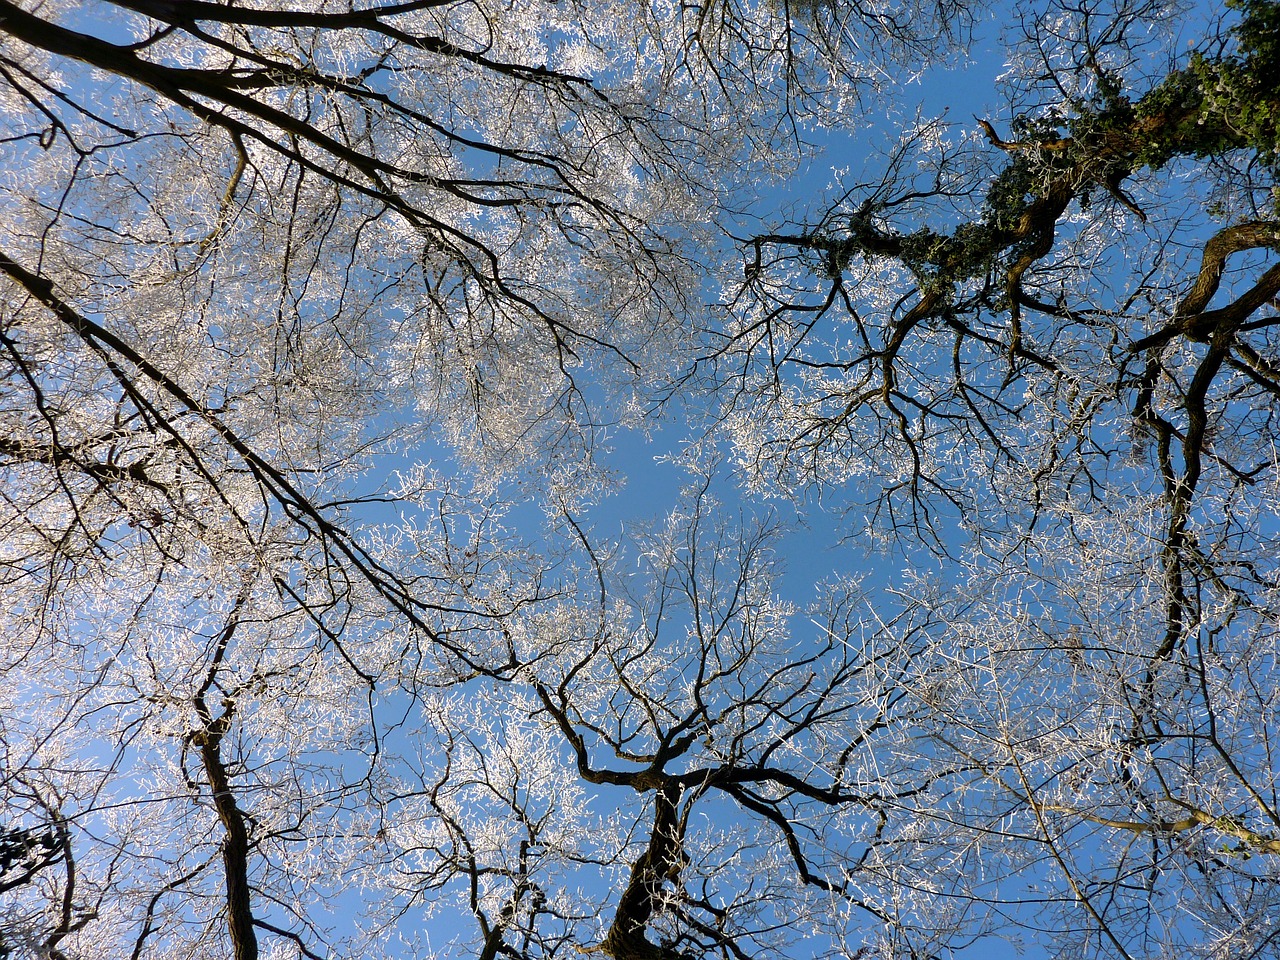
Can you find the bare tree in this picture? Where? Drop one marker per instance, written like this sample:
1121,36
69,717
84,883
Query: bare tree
248,252
1049,352
689,766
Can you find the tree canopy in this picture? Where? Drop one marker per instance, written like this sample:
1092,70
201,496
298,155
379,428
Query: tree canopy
318,323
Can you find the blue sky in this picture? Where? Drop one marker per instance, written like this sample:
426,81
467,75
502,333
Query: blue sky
647,460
